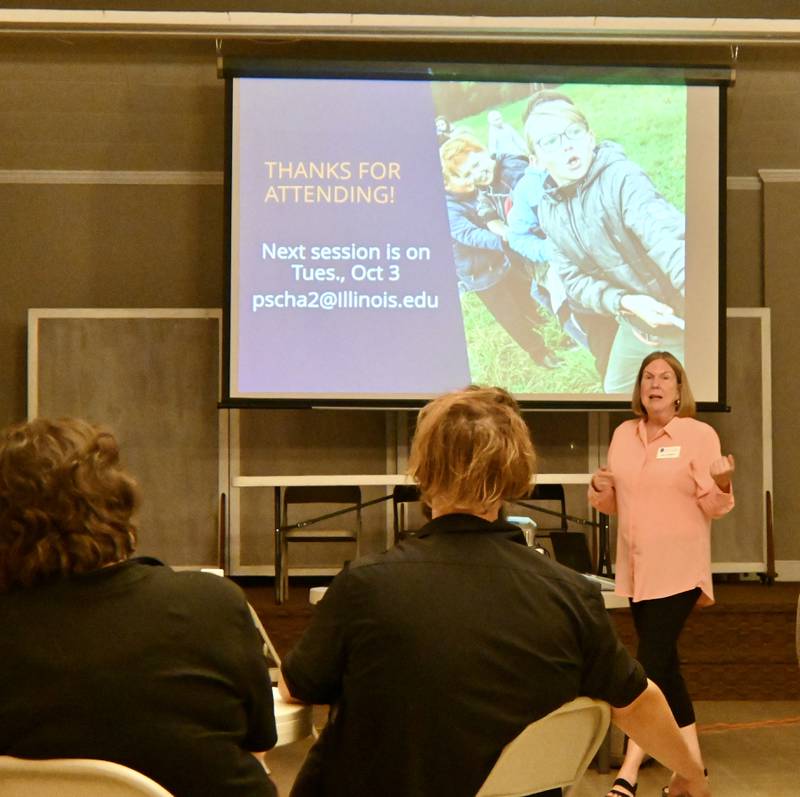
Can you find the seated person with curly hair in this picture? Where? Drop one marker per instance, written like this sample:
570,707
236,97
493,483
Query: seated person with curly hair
111,657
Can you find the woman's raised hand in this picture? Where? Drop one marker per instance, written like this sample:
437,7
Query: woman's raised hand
721,470
603,479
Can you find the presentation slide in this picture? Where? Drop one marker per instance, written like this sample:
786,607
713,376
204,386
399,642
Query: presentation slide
394,239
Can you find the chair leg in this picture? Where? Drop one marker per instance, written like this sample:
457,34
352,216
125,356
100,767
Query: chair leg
604,754
278,566
284,569
276,497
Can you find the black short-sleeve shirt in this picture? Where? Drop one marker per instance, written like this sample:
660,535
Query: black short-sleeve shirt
135,663
438,652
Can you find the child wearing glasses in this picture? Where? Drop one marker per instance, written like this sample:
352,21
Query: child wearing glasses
617,244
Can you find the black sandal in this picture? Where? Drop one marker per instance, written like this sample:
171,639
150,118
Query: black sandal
631,787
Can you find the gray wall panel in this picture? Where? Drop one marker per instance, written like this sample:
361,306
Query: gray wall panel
154,383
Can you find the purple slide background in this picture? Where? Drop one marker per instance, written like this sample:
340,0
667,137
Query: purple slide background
341,351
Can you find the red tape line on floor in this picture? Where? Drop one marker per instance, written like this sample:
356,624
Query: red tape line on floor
718,727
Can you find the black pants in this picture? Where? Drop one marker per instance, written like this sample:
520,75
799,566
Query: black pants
659,623
510,302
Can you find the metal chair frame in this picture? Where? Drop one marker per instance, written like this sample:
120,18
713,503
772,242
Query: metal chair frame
299,532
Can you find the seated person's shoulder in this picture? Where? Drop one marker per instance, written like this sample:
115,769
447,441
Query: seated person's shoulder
565,581
209,584
196,587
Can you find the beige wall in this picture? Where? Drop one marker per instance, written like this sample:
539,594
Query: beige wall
157,105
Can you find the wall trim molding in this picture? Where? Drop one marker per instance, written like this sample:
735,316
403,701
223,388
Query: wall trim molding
108,177
743,183
430,27
779,175
787,569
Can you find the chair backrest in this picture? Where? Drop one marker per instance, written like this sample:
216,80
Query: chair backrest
551,752
324,494
569,548
551,492
402,494
73,777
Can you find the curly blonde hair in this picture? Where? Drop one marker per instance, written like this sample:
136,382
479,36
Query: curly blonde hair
472,448
452,154
65,502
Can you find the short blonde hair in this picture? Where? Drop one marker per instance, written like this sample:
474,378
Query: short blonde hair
472,448
543,103
65,502
686,406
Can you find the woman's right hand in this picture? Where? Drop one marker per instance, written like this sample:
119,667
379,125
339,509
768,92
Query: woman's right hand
602,479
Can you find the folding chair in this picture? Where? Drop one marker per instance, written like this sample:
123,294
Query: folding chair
401,495
550,753
74,777
554,493
347,495
569,548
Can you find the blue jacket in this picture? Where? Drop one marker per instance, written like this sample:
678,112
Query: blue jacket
480,256
525,233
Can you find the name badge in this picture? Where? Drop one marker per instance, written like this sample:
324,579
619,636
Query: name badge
668,452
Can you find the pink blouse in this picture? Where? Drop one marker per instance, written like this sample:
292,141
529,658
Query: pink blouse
665,499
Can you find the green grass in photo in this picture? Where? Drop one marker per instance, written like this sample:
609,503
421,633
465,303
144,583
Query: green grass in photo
496,359
649,122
